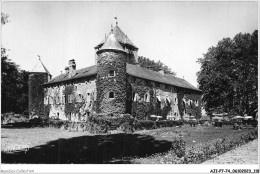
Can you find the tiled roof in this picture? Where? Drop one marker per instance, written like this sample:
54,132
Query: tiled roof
137,71
84,72
133,70
119,35
112,44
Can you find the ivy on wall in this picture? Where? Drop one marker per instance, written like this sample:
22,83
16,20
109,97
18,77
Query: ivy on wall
73,106
141,109
192,109
106,62
36,93
181,104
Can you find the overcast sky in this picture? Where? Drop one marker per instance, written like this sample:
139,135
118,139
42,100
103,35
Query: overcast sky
177,33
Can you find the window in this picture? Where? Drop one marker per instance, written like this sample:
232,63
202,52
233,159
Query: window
133,96
168,102
46,100
167,86
112,73
196,103
70,98
175,101
147,97
111,95
88,97
57,100
50,100
80,98
63,99
157,85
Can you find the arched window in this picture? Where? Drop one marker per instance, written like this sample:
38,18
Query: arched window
147,97
112,73
111,95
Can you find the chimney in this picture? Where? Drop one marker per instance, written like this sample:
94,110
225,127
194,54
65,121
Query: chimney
66,70
161,71
72,68
72,65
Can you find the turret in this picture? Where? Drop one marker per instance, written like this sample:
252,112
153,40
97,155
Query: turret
111,77
38,76
126,44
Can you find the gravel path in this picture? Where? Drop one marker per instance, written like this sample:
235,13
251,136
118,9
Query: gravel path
246,154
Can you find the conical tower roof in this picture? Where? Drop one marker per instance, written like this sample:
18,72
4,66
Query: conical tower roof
112,44
120,36
39,67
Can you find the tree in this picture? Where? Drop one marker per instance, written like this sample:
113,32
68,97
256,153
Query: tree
155,66
229,73
14,87
4,18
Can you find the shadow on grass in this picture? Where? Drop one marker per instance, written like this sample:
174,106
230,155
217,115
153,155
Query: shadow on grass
96,149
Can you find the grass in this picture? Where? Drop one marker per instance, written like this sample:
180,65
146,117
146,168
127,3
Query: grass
56,146
194,135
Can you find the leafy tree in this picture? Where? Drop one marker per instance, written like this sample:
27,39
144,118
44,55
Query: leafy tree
155,66
4,18
14,87
228,75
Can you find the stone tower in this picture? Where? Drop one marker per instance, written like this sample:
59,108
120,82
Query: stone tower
38,76
113,54
111,77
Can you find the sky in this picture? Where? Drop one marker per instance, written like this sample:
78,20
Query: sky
176,33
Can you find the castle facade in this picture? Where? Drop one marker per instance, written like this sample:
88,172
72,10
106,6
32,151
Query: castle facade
115,85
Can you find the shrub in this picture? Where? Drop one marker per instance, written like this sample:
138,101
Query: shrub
202,151
148,124
178,146
101,123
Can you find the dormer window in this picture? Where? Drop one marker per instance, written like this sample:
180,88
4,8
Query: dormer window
112,73
111,95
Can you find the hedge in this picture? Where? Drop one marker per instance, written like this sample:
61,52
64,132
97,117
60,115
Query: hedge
199,152
148,124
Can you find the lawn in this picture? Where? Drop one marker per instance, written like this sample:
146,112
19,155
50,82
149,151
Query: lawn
56,146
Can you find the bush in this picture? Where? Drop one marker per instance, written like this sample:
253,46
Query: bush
148,124
202,151
178,146
101,123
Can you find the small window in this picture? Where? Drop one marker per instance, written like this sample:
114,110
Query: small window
168,102
88,97
133,96
111,95
147,97
58,100
50,100
46,100
157,85
112,73
70,98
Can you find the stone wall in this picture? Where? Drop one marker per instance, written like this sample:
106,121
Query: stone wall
71,101
36,93
192,105
162,101
111,89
